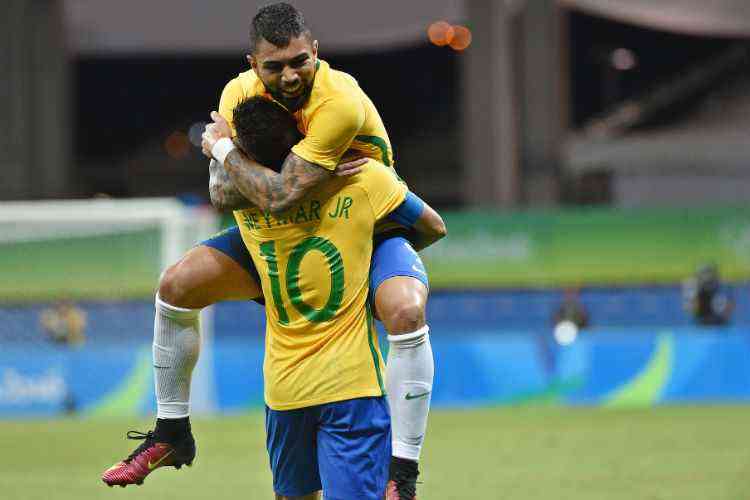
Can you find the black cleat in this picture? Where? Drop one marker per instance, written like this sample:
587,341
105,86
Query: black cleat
402,479
157,450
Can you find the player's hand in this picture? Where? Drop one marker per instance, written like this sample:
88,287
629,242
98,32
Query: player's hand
350,167
213,132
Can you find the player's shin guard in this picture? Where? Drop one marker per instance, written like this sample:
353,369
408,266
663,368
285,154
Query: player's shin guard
409,374
175,349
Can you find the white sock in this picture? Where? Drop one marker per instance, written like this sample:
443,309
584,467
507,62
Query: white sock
409,373
176,348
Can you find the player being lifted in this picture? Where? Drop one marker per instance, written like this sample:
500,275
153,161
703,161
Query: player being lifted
336,117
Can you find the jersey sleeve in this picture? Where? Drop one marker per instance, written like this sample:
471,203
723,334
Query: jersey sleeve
409,211
385,191
231,96
331,130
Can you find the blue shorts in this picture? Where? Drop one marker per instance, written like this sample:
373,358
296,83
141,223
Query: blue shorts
394,256
342,448
229,242
391,256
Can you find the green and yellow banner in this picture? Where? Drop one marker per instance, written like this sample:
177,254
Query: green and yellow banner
483,249
593,246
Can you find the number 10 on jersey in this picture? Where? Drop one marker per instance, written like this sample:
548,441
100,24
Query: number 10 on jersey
292,273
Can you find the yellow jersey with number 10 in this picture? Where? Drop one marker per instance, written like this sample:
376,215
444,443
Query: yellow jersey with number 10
314,263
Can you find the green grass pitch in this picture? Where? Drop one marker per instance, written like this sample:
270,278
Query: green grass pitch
529,453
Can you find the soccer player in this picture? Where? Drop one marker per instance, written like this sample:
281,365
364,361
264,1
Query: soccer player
338,120
327,420
336,117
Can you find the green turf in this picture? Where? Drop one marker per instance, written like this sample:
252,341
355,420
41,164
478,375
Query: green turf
107,266
509,453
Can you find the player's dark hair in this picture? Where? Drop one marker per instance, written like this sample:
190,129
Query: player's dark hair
277,23
265,130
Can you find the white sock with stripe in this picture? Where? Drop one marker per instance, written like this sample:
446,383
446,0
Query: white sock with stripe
175,349
409,374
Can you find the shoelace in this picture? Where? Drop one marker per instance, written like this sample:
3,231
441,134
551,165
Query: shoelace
148,438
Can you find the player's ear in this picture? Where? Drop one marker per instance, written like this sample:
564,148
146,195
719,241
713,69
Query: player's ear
252,61
315,49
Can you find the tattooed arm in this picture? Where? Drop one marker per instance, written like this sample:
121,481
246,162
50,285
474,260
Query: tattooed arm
224,194
265,188
269,190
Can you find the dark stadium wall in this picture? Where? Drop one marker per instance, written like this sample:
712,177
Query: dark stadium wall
128,105
659,54
196,26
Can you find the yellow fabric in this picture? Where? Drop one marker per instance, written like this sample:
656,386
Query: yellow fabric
337,118
321,343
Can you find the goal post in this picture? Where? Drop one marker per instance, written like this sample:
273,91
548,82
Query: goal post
104,256
94,248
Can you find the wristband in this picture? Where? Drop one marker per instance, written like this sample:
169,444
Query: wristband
222,148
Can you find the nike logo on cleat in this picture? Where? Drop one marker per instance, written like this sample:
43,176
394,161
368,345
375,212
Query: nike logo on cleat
152,466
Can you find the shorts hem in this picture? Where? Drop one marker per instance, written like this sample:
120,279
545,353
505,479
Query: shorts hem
322,401
400,273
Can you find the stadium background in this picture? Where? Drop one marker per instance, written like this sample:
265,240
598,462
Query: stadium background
593,146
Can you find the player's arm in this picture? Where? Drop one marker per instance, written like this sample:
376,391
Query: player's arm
425,223
269,190
428,228
312,161
224,194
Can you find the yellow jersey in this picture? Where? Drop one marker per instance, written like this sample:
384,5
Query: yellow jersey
314,260
338,117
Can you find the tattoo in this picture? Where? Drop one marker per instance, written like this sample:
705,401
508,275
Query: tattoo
273,191
224,194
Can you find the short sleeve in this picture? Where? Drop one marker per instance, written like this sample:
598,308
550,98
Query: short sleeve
385,191
231,96
331,130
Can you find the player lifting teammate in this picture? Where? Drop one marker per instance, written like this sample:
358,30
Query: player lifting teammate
327,421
